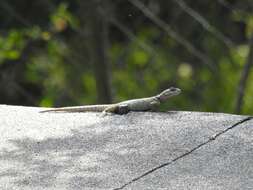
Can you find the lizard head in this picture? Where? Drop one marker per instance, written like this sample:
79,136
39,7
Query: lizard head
172,91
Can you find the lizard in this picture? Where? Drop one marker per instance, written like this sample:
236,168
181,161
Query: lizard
141,104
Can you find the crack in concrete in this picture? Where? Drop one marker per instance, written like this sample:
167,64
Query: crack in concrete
185,154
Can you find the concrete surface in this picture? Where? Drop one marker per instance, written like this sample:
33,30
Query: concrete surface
144,150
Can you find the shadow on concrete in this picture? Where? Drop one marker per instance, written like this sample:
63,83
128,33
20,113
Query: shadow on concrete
46,161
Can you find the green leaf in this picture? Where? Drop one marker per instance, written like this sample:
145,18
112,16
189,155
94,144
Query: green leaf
46,102
140,57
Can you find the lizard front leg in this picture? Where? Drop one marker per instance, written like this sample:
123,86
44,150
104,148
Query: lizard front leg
117,109
154,105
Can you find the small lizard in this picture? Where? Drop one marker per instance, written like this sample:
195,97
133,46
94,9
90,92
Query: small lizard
141,104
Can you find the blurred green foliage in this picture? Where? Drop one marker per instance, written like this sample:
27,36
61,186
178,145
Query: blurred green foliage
11,45
49,57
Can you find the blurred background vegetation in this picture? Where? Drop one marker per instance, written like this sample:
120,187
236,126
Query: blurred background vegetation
63,53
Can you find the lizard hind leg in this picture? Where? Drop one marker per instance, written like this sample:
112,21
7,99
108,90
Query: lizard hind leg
117,109
110,110
122,109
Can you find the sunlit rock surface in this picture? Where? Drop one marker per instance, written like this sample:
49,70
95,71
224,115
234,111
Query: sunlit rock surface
142,150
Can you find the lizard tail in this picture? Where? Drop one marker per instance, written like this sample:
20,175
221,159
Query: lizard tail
89,108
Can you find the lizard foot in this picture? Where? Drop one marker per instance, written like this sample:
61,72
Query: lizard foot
105,113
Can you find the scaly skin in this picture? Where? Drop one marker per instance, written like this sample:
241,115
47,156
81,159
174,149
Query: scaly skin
142,104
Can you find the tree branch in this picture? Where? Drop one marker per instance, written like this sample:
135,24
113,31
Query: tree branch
173,34
244,78
130,35
12,12
205,24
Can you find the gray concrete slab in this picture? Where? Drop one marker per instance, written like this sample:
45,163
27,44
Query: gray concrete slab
224,163
88,151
